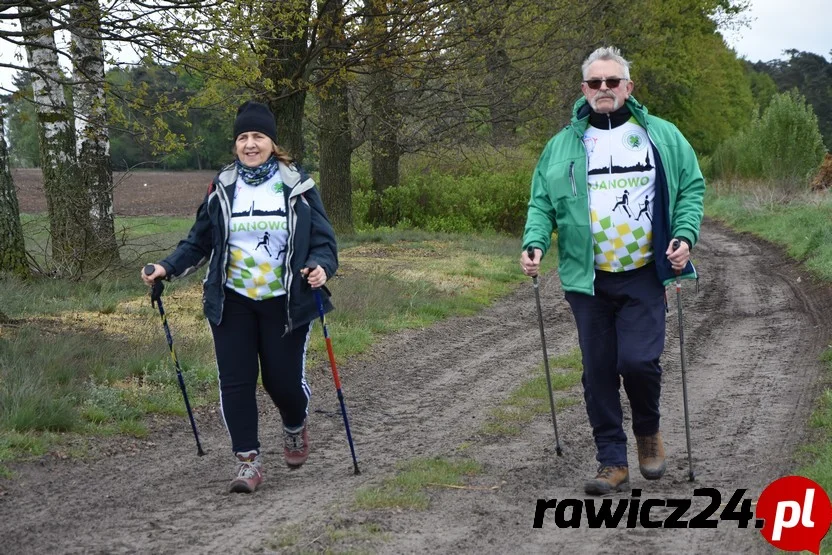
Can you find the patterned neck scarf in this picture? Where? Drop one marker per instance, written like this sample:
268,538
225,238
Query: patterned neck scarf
260,174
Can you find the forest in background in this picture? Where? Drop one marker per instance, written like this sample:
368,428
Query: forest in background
203,133
396,104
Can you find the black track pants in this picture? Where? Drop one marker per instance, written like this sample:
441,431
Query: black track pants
621,332
249,341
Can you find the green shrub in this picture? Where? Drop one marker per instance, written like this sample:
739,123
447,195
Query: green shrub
482,201
791,143
739,156
468,191
784,144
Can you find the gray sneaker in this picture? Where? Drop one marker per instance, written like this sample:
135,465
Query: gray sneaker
248,473
296,446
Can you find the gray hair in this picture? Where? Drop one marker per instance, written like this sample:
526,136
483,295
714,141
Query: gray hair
607,53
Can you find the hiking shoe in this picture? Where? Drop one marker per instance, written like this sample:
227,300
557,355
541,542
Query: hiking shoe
651,461
248,473
610,479
296,446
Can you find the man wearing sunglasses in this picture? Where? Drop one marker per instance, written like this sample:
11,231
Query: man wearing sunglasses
614,267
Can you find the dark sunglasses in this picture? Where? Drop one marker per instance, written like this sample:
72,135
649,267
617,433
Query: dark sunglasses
612,83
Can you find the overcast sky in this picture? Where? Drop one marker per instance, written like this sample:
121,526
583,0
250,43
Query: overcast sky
774,26
777,25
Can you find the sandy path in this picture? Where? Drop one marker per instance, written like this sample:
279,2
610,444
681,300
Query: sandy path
753,332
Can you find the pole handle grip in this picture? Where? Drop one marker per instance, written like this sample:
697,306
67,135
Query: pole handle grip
530,252
676,244
157,288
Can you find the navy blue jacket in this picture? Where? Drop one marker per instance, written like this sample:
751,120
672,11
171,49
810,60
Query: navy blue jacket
311,243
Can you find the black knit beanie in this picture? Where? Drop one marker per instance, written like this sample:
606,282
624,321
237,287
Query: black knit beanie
254,116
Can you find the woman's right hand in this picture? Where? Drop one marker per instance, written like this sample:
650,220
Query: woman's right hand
158,273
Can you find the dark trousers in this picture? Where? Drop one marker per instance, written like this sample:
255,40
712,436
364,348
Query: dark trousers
250,341
621,333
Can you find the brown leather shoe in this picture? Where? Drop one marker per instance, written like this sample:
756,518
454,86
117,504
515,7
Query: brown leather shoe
651,461
610,479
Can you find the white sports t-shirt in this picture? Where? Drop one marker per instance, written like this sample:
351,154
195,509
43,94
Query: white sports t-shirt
622,183
257,239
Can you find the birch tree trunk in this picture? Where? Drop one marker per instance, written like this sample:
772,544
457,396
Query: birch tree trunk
92,146
12,250
335,139
66,195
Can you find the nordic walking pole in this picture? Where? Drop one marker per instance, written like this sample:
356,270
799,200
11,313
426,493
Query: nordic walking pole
530,252
156,298
335,377
682,359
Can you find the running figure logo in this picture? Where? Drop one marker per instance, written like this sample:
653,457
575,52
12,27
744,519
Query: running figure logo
622,202
645,209
264,242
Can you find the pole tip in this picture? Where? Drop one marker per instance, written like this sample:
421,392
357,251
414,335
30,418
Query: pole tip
691,476
200,452
559,451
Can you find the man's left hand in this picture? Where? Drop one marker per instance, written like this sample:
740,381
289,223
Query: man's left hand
680,257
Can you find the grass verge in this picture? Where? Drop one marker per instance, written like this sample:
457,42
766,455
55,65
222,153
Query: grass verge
340,536
800,224
531,398
90,358
819,452
408,489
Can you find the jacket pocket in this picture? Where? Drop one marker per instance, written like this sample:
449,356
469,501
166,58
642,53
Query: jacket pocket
574,234
571,211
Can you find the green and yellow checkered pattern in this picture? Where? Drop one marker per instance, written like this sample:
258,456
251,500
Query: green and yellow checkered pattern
256,281
619,248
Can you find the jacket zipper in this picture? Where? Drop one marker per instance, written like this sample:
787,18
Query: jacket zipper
589,214
572,178
225,211
290,251
226,215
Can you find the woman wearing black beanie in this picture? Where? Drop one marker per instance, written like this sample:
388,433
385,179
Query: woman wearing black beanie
268,243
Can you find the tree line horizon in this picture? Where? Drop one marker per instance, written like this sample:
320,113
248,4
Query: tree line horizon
375,80
203,136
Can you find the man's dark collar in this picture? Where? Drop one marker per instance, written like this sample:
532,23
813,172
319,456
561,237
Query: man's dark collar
611,120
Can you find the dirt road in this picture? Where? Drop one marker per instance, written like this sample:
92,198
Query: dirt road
754,331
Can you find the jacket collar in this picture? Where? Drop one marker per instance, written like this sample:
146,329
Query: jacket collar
228,175
292,175
611,120
295,179
581,111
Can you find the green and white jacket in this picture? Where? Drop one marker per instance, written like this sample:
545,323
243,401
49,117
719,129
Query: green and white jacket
559,197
